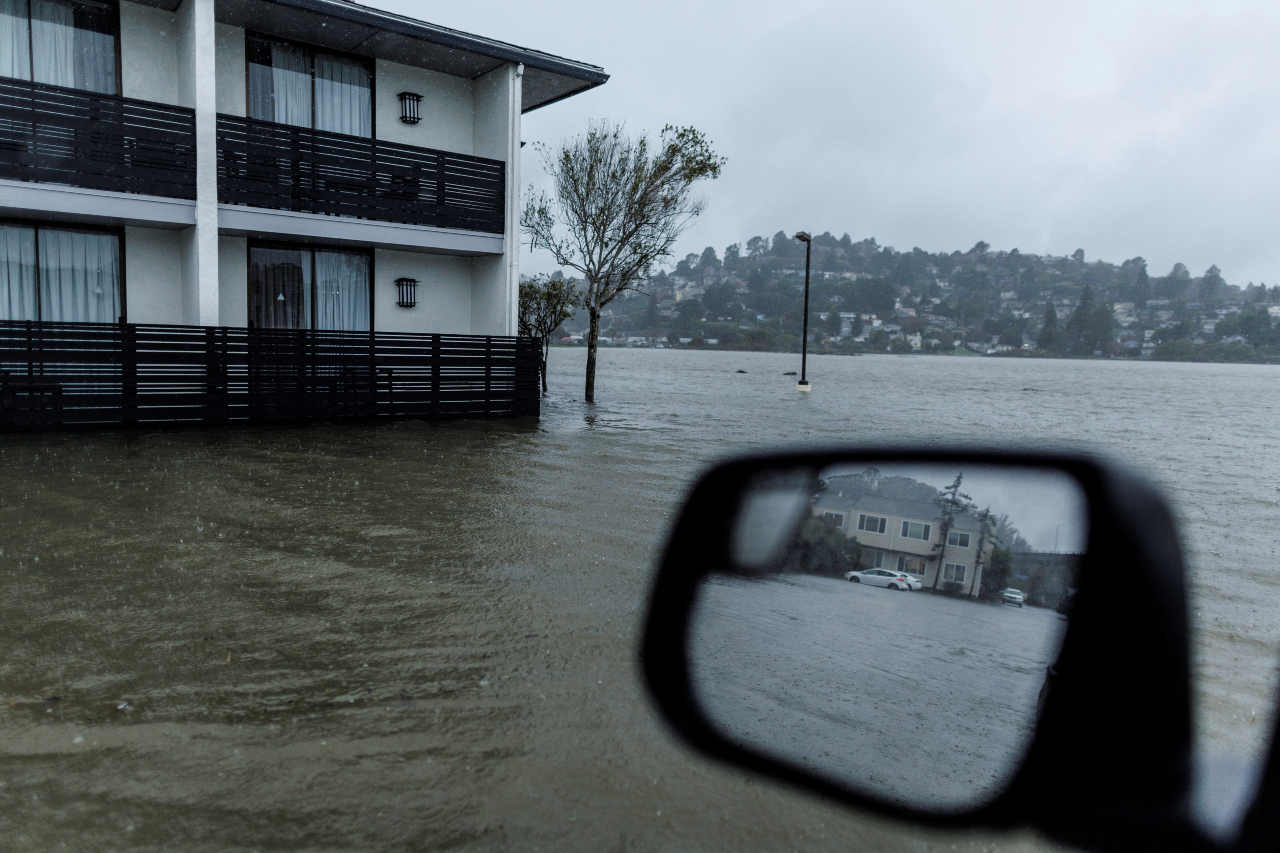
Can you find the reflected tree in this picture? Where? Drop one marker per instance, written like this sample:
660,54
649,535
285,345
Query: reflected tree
951,504
821,549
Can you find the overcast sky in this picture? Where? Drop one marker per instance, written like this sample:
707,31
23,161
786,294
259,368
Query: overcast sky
1123,128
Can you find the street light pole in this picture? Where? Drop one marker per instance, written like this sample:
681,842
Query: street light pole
803,384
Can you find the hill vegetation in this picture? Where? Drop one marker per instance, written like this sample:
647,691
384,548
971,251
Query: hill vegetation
871,298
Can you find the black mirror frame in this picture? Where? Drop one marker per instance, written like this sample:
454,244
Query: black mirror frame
1109,766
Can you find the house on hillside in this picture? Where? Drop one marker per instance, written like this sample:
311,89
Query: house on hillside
904,535
248,166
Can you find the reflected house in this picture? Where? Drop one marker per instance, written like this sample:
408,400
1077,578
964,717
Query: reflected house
904,535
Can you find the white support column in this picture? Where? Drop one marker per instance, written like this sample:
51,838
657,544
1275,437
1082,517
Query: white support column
512,242
197,70
495,294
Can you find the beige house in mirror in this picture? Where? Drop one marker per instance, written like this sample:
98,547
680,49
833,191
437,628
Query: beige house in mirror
906,536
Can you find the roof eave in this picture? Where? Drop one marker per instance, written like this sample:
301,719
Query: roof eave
592,74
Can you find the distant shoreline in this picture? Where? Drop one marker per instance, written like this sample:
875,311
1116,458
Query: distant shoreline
1193,356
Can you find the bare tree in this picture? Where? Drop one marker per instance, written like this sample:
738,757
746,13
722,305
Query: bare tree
951,503
545,303
617,209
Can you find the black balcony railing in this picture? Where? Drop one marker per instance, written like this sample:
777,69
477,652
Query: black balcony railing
57,135
264,164
67,375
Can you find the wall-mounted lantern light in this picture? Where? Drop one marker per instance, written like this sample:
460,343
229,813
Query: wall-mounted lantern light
407,289
409,107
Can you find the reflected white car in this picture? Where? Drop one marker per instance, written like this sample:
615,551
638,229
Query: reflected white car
883,577
1012,596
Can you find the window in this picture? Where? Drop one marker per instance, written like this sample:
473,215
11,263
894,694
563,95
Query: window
872,523
291,84
959,540
910,565
953,572
68,43
835,519
59,275
912,530
875,559
297,287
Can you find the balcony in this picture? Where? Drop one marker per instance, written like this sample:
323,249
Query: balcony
84,375
54,135
281,167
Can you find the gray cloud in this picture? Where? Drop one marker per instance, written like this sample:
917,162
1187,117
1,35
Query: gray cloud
1125,128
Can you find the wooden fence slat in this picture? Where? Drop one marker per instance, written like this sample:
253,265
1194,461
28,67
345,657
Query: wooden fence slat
71,375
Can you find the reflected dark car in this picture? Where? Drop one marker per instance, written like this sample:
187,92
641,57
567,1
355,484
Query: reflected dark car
1067,602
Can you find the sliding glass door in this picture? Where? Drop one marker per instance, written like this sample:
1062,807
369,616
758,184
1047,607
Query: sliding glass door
59,275
305,87
293,287
63,42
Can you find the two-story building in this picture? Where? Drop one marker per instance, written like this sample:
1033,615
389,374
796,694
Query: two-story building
262,164
906,536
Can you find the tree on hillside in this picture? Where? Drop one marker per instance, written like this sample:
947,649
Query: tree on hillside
1047,337
1088,329
951,504
1211,285
545,303
618,209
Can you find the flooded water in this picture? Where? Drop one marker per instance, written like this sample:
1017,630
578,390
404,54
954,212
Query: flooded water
422,636
919,699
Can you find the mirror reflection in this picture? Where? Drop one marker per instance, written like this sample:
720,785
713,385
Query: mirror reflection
891,627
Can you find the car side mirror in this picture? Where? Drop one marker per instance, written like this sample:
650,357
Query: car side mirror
956,638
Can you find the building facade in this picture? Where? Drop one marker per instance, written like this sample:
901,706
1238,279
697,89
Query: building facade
906,536
264,164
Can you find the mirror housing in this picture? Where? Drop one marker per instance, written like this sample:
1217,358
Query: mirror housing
1110,764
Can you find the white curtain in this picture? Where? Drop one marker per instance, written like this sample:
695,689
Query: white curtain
79,277
343,96
17,273
64,55
291,84
342,291
15,41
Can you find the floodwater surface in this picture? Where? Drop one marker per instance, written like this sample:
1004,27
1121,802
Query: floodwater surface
915,698
422,636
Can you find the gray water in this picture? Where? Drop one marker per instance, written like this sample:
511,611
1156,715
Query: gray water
917,699
422,636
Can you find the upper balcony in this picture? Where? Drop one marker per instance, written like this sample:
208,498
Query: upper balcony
284,167
57,135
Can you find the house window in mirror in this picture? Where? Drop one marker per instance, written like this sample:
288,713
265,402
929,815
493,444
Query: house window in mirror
60,42
305,87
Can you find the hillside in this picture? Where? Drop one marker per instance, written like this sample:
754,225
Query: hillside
871,298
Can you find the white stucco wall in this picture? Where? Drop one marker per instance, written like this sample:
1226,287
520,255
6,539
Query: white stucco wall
153,274
149,54
444,293
233,281
231,71
445,109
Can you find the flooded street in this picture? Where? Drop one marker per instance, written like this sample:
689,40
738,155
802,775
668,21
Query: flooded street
916,698
422,636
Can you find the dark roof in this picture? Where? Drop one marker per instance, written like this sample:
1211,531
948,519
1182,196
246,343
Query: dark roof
354,28
893,506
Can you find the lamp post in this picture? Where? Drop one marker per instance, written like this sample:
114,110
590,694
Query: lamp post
803,384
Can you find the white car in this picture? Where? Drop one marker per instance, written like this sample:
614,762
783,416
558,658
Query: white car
883,577
1012,596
